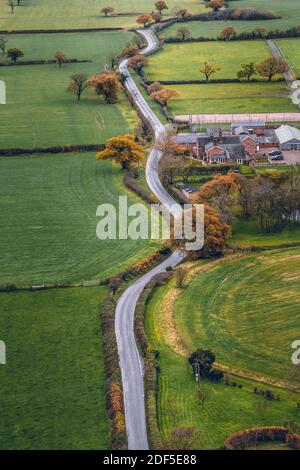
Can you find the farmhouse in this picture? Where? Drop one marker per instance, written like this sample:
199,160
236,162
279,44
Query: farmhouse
257,127
288,137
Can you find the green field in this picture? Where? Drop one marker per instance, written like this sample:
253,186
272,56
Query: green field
228,55
39,110
288,9
48,219
226,409
291,50
231,98
247,234
52,387
42,14
247,313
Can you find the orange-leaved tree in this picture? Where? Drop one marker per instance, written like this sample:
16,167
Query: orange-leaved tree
216,233
164,96
138,62
215,5
272,66
107,10
222,194
106,84
228,33
161,5
144,19
209,69
123,149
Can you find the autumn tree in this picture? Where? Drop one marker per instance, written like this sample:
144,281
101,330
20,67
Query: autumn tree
247,71
271,67
164,96
14,54
154,87
129,51
261,32
3,44
78,84
106,84
107,10
227,33
209,69
156,16
182,13
221,193
144,19
183,33
216,233
215,5
123,149
161,5
60,58
138,62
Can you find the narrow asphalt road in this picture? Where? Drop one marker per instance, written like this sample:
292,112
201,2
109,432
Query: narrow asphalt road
131,362
288,75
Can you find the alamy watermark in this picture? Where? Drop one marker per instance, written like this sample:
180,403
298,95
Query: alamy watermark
296,354
2,353
2,92
138,222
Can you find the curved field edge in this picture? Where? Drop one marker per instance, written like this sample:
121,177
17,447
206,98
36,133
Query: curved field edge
246,310
226,409
48,213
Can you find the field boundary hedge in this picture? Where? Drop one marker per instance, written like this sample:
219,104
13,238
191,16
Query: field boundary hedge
43,62
244,36
14,152
243,439
54,31
214,81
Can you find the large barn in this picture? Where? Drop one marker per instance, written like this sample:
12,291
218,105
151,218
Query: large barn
289,138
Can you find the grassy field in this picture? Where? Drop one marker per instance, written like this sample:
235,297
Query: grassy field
211,29
226,409
42,14
240,301
39,110
48,219
291,50
231,98
52,387
247,234
229,56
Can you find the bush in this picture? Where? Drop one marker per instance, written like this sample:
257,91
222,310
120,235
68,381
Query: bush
249,437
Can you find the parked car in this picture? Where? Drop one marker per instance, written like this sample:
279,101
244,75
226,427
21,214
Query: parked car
274,153
277,158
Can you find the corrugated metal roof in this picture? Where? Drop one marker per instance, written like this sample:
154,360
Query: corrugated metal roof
287,133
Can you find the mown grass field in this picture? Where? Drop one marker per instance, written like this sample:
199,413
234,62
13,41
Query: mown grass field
48,219
211,29
228,55
291,50
231,98
246,311
42,14
39,110
52,387
226,409
248,233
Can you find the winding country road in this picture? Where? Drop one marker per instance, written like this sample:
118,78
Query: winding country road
131,362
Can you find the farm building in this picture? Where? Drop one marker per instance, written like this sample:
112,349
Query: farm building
288,137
